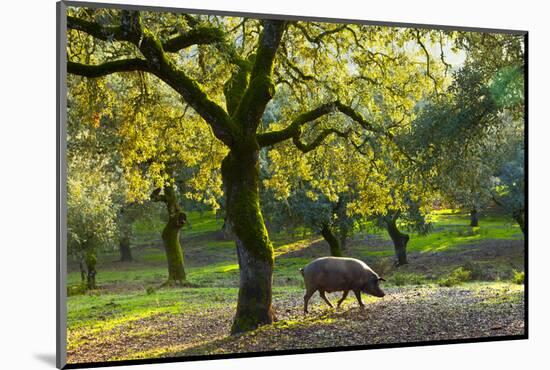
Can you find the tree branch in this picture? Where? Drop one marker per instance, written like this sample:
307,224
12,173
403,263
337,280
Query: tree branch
195,36
317,39
274,137
260,89
99,70
105,33
304,148
427,54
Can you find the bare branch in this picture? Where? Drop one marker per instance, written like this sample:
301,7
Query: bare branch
318,38
428,61
442,54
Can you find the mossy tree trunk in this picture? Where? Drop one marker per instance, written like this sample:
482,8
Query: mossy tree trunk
399,239
474,218
91,272
124,247
170,234
254,250
82,266
332,240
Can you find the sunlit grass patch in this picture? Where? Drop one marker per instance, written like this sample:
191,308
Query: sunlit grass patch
497,292
223,274
95,316
201,223
282,246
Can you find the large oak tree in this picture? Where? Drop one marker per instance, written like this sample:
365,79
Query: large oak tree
358,83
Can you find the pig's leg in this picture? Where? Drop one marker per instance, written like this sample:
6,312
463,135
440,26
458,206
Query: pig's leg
322,294
343,297
307,296
358,296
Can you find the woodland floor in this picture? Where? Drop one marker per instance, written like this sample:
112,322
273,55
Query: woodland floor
406,314
130,317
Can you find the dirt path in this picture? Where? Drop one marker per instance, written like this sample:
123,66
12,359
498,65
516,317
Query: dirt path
405,315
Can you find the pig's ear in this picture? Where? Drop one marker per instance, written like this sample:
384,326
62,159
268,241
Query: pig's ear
381,279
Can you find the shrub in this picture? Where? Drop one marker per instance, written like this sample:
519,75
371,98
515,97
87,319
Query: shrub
519,277
456,277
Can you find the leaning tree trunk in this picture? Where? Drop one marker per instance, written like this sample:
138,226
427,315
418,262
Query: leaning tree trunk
474,220
124,247
332,240
240,175
170,237
400,241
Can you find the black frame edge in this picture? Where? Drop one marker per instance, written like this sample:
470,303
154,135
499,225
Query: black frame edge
290,17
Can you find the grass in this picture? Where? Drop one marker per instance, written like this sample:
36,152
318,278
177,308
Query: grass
452,229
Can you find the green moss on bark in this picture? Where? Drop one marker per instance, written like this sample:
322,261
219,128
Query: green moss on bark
234,89
91,261
170,237
241,182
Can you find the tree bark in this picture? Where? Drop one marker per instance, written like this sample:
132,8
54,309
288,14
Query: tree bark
124,247
226,232
399,239
82,266
170,237
474,221
240,176
332,240
91,261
